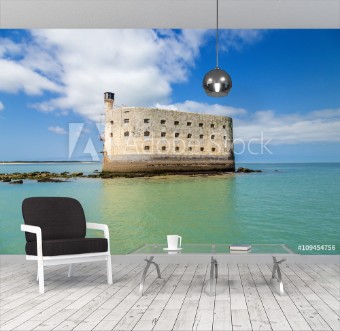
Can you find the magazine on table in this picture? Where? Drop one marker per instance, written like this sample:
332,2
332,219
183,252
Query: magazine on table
239,247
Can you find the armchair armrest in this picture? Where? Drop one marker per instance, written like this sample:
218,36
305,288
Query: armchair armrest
101,227
37,231
30,228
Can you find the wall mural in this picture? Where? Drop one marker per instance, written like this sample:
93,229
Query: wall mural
118,119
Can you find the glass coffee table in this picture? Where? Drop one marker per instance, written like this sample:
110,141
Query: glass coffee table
278,252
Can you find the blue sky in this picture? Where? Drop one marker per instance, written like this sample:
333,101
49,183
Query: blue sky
285,91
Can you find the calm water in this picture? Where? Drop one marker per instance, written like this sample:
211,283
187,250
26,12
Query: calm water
294,204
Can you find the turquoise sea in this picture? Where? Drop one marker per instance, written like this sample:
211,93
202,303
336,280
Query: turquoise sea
293,204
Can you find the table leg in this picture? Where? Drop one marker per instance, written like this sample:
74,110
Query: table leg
213,274
216,269
148,263
276,269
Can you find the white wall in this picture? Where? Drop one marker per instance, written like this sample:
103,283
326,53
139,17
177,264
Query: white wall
169,14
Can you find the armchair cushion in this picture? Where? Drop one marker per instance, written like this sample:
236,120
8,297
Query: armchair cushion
58,218
68,246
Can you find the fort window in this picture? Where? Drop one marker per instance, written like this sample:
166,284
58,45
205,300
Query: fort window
176,134
126,133
202,149
212,125
111,134
213,149
201,136
163,134
188,123
200,125
163,148
126,120
190,148
212,137
162,121
146,148
189,135
146,133
146,120
176,149
223,126
225,137
176,123
111,122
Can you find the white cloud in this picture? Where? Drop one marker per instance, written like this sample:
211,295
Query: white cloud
2,107
315,126
57,130
237,39
8,47
44,107
140,66
16,77
204,108
325,113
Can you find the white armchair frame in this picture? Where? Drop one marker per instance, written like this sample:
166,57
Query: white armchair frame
68,259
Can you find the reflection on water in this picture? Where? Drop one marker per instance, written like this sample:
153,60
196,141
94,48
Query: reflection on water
293,204
145,210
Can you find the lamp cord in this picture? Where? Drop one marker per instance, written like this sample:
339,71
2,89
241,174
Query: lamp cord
216,33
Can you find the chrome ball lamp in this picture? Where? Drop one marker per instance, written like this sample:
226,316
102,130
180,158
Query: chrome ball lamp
217,82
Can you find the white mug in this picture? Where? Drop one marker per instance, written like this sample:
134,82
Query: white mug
173,241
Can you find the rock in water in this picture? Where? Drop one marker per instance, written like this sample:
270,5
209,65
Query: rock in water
16,182
77,174
50,180
246,170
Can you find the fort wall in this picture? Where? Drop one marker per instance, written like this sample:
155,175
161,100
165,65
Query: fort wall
156,140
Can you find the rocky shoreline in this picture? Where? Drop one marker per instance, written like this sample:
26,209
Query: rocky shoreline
39,176
52,177
246,170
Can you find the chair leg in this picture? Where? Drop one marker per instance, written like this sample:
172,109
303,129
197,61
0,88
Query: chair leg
70,270
41,276
109,269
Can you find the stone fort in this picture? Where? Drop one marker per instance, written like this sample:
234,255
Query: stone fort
152,140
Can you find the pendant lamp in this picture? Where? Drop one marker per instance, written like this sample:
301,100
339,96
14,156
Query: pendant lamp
217,82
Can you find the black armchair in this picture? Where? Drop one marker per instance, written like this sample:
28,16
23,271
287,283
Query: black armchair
55,230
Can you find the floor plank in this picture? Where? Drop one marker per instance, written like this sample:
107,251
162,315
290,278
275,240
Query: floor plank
244,298
276,317
320,276
239,310
128,297
257,313
296,293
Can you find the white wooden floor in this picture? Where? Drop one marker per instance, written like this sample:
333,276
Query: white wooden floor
245,298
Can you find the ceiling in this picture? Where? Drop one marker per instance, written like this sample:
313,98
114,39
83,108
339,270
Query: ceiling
189,14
